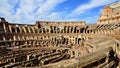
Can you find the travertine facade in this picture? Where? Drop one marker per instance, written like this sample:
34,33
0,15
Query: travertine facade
110,14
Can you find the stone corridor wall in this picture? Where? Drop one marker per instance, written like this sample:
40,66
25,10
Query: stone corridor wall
110,14
57,33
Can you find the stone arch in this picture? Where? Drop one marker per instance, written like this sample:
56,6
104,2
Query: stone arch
51,29
13,29
65,29
68,29
18,30
54,29
79,40
75,29
108,31
105,31
63,41
31,29
39,26
41,38
26,28
82,30
88,31
97,31
101,31
22,30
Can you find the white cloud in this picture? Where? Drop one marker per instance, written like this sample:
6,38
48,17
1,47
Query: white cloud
29,6
49,5
91,20
50,17
28,11
90,5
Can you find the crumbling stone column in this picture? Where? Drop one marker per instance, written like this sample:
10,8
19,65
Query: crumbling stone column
4,26
24,29
33,29
28,57
29,30
20,29
10,28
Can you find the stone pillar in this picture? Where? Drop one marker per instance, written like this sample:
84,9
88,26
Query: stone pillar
14,37
29,30
51,29
4,39
15,29
28,57
13,44
42,30
118,65
66,29
10,28
14,60
70,30
20,29
33,29
4,26
56,29
24,29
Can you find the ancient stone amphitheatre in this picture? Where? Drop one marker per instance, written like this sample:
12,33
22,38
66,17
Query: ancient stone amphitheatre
69,44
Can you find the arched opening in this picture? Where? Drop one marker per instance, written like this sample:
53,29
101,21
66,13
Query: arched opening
71,29
54,29
43,30
67,41
22,30
88,31
39,26
75,29
13,29
31,30
51,30
91,31
18,30
58,29
68,29
65,29
55,39
82,30
63,41
79,40
26,28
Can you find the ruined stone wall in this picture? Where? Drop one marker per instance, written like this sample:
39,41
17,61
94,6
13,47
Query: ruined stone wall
59,33
110,14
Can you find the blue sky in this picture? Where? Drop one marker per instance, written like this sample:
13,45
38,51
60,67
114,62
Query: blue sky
29,11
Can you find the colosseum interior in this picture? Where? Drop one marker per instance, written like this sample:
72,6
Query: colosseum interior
70,44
